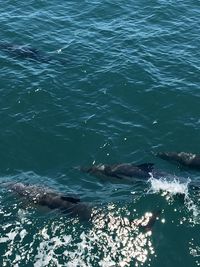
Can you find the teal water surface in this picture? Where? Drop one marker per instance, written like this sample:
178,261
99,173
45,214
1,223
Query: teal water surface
111,83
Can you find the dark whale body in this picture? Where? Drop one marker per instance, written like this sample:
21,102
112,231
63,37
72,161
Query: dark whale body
183,158
68,204
51,199
132,172
121,171
24,52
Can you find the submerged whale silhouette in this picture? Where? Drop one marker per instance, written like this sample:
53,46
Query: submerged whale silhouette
51,199
186,159
121,171
24,52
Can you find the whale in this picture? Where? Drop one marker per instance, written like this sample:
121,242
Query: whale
53,200
24,52
189,160
67,204
121,171
135,173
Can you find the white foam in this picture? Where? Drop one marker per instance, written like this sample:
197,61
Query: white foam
172,187
192,207
23,233
175,187
4,239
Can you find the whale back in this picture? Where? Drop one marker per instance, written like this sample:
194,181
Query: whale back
121,171
51,199
186,159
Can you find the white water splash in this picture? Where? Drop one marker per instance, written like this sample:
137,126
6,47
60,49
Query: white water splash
172,187
175,187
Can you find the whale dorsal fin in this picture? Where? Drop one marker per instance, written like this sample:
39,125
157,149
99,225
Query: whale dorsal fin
146,167
70,199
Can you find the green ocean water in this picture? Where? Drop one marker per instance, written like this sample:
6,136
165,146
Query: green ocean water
111,83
